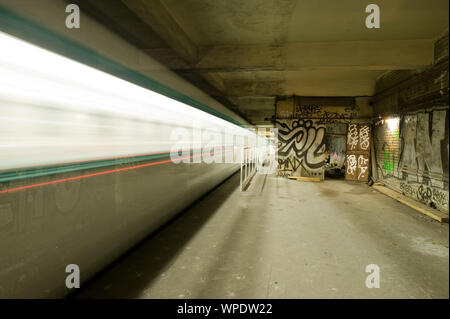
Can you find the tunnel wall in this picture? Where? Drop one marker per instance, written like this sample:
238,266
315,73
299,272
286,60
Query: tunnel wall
312,133
412,152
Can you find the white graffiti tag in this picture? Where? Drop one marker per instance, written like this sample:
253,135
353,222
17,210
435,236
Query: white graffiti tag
351,164
364,138
352,136
362,165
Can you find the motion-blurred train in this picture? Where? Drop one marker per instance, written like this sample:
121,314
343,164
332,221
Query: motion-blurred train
86,163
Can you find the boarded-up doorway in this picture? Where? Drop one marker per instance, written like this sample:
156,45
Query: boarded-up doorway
336,143
357,164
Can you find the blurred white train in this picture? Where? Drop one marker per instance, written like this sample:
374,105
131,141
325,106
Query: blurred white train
86,166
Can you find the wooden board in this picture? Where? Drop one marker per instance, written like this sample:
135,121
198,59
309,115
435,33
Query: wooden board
358,137
357,160
357,166
305,179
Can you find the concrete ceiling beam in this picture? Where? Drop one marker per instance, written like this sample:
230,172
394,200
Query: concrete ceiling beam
323,87
349,55
181,48
155,14
216,80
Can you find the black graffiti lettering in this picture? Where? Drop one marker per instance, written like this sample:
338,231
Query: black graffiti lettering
439,197
424,194
407,190
304,140
332,117
307,111
287,165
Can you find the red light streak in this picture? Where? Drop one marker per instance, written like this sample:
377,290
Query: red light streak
10,190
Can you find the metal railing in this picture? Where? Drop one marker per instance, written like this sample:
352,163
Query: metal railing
249,166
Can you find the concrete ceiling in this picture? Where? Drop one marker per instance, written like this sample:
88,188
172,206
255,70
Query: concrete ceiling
238,22
245,53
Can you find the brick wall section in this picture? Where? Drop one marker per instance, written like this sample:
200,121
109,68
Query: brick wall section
413,92
409,90
441,48
393,78
387,150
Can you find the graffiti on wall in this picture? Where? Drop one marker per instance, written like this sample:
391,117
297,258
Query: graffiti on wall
351,164
431,196
287,165
323,114
425,147
307,111
300,145
333,117
364,137
358,152
352,137
363,167
358,137
414,158
388,161
357,167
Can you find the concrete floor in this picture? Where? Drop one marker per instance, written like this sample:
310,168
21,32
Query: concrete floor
286,239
